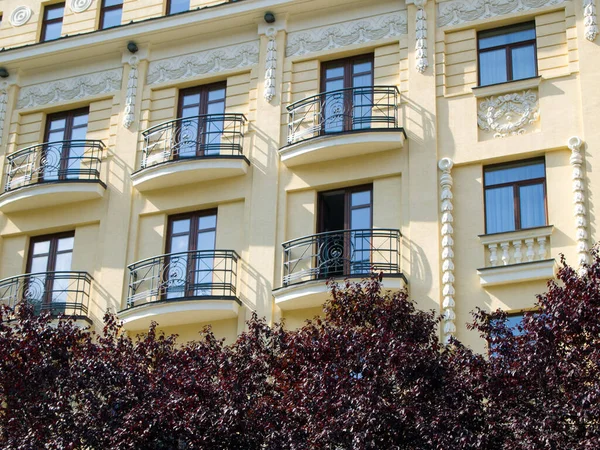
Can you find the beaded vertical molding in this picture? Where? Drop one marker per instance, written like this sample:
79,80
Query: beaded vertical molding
132,82
421,36
590,23
3,102
579,210
270,65
446,208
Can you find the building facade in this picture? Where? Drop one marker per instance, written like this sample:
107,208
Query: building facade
191,161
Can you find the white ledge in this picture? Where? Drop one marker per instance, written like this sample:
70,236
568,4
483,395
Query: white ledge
341,145
311,294
517,273
505,88
178,312
44,195
186,171
509,236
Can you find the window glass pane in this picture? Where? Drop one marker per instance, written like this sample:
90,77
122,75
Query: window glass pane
52,31
39,264
191,111
179,243
216,108
78,133
533,207
65,244
507,36
181,226
112,18
523,62
41,247
207,222
334,85
112,2
216,94
179,6
362,80
206,240
191,99
54,12
361,198
492,67
365,66
499,210
510,174
58,124
80,120
360,218
63,262
334,72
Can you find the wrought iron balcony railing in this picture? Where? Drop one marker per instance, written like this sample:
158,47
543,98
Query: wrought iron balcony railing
208,135
345,110
191,275
78,160
65,293
341,253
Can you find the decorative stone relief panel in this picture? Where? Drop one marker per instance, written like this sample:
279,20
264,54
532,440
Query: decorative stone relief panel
79,6
20,16
421,36
456,12
3,101
447,231
347,33
508,114
589,20
224,58
271,65
70,89
579,209
132,82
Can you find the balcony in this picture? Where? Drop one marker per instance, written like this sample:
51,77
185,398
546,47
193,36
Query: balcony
53,173
182,288
192,150
66,293
343,123
517,256
310,261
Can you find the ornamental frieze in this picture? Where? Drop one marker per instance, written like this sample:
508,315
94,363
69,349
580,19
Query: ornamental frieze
509,114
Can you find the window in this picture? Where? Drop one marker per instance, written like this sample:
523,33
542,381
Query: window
48,256
200,131
191,244
63,153
52,23
350,109
177,6
110,13
507,54
515,196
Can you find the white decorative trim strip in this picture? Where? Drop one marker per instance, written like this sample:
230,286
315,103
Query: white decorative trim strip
3,102
224,58
270,65
421,36
456,12
132,82
70,89
589,20
20,16
507,115
79,6
447,231
580,212
347,33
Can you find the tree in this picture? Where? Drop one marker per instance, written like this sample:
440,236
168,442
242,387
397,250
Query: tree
370,374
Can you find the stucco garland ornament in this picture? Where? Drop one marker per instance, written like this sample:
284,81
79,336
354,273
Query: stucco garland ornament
132,82
578,178
447,231
421,36
589,20
79,6
20,16
3,102
508,115
271,65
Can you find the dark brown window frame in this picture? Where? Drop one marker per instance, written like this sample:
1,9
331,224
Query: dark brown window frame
104,9
347,204
516,195
348,65
203,91
45,21
508,52
194,217
69,116
52,255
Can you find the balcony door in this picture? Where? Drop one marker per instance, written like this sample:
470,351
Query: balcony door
62,155
348,95
345,223
189,266
200,129
48,257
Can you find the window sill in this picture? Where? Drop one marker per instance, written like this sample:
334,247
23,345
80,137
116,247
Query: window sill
509,86
529,233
